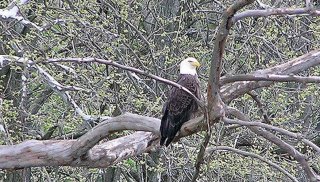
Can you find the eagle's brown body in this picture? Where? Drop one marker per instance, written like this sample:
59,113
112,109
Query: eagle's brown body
179,107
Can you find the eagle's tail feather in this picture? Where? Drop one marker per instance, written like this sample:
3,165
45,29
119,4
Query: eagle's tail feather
167,129
164,127
172,129
170,126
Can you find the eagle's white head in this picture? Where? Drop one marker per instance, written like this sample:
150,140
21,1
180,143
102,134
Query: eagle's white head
189,66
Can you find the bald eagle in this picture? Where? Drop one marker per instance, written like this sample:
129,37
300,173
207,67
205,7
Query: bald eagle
180,105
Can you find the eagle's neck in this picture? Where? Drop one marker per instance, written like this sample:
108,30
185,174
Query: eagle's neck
188,71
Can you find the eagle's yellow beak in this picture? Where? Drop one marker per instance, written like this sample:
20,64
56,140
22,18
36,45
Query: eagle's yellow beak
195,63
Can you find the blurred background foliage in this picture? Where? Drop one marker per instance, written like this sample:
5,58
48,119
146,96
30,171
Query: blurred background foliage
154,36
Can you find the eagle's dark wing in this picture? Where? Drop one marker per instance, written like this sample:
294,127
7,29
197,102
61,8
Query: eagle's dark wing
179,107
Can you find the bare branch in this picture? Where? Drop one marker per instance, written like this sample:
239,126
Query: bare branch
298,136
299,64
58,152
277,141
64,152
128,68
218,51
290,150
255,97
276,11
126,121
211,150
12,12
201,153
215,104
270,77
53,84
215,109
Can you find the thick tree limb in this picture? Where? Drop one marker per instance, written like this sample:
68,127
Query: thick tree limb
68,152
126,121
211,150
58,152
275,11
64,152
299,64
270,77
215,104
215,109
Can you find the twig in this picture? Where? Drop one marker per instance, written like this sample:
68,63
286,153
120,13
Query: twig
255,97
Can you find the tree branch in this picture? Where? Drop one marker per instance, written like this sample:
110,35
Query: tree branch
215,109
126,121
270,77
211,150
275,11
215,104
298,136
299,157
52,83
255,97
65,152
12,12
58,152
128,68
299,64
